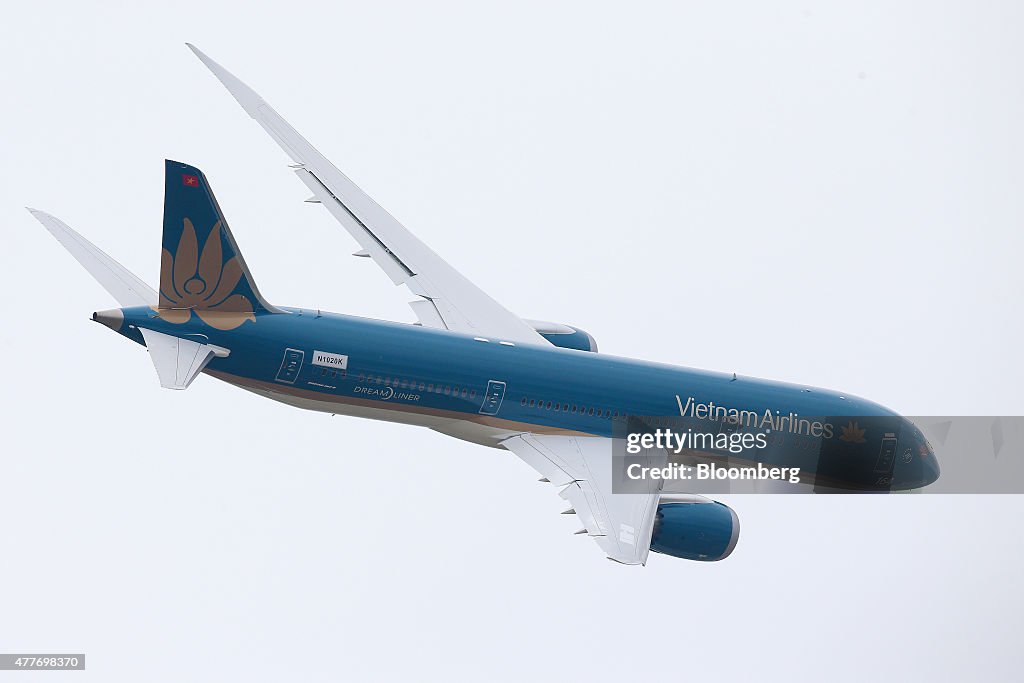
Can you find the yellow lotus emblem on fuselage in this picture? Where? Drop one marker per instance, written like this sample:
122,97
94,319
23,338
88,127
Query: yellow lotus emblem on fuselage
852,433
203,283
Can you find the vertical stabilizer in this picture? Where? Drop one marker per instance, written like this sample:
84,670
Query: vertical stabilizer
201,268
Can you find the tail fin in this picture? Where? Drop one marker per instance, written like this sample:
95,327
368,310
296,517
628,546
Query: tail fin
201,268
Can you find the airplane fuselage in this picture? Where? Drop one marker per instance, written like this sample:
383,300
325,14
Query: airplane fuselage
485,390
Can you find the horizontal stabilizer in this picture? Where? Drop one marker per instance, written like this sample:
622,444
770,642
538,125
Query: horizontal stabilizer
178,361
127,289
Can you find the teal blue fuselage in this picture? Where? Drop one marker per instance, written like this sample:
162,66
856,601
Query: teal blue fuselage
447,381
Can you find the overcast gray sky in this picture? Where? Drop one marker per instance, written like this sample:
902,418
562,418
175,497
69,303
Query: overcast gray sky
820,194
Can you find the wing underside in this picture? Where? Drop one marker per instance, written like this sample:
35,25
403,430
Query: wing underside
620,523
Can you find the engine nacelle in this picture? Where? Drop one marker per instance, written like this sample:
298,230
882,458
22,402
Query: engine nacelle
702,530
564,336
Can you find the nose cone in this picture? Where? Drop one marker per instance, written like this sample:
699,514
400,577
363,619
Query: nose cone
931,470
917,465
113,318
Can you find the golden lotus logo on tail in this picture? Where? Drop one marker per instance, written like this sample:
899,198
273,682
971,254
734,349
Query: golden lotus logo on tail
203,283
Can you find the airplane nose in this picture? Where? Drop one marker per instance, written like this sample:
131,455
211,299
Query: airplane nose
917,468
929,469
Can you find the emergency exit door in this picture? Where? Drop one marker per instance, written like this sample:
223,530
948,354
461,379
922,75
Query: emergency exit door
493,397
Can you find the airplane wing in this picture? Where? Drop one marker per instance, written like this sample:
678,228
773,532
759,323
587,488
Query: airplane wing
448,299
621,523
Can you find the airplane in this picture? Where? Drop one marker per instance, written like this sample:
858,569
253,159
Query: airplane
472,369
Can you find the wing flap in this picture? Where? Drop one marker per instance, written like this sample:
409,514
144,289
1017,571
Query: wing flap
585,502
392,266
620,523
427,313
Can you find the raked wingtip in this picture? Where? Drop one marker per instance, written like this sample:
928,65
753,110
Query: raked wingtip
245,95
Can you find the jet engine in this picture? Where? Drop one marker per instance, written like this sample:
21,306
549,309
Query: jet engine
564,336
697,529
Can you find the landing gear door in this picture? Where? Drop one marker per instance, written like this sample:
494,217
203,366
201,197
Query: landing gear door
493,397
